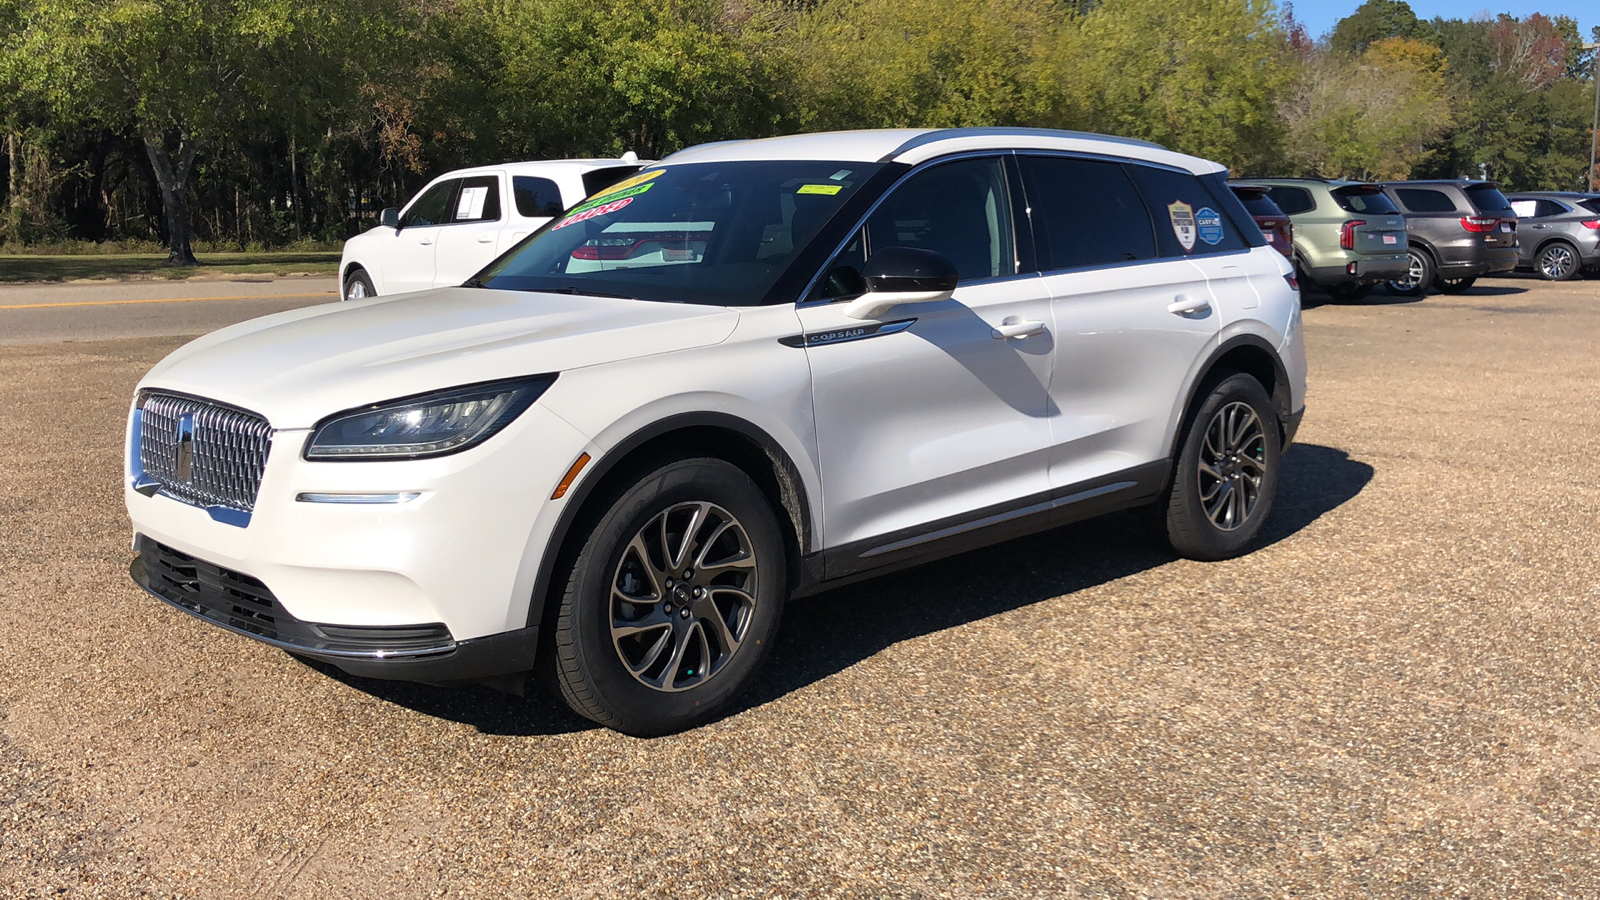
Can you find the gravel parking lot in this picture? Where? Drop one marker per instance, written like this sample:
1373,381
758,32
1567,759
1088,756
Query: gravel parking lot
1396,697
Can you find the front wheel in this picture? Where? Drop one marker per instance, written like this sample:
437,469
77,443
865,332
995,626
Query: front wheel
1419,275
671,605
1454,285
1226,473
1557,262
358,285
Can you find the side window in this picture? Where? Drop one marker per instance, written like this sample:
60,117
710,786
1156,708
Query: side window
537,198
1547,208
433,207
1186,217
1086,213
1292,200
1525,209
1425,200
479,200
959,209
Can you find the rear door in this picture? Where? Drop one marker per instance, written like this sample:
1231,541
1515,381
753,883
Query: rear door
472,239
407,263
930,415
1132,311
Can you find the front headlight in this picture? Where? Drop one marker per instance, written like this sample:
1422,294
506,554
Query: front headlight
427,425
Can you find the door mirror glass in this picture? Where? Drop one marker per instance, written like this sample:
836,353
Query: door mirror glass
896,276
390,217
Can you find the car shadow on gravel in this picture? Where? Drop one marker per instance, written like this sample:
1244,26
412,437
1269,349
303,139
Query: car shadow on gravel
827,633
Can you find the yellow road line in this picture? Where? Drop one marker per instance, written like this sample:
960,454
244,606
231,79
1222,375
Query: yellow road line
169,300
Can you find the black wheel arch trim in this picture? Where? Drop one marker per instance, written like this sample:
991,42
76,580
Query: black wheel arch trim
1280,376
786,473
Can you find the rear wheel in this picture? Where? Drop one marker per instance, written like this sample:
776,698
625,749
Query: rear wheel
358,285
1557,262
1347,291
1418,276
1226,473
671,605
1454,285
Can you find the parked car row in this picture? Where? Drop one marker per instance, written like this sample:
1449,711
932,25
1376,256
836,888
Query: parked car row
1561,236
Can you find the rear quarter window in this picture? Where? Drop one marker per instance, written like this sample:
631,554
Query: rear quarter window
1256,202
1372,201
1292,200
1189,220
1487,198
537,198
1592,205
1425,200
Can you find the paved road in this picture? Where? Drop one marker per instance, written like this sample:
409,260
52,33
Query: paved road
37,314
1395,697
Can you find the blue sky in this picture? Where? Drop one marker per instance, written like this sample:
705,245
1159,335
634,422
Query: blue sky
1320,15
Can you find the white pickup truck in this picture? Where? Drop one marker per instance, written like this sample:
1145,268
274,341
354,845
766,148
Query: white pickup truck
464,219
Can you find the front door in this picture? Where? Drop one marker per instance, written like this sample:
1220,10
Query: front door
406,262
471,241
930,417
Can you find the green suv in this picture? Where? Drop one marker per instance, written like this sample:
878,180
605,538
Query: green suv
1348,236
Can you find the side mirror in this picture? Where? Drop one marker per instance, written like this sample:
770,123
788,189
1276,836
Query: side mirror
899,275
390,218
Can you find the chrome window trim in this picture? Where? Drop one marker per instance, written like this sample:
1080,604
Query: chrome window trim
811,285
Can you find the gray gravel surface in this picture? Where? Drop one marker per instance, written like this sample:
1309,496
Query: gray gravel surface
1395,697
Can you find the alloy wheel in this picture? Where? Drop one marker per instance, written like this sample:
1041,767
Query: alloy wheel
355,290
1556,262
1415,272
1233,464
682,596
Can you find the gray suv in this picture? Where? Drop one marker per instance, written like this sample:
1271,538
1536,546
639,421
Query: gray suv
1560,232
1459,230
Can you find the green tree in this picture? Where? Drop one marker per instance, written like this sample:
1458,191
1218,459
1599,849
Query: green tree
1374,21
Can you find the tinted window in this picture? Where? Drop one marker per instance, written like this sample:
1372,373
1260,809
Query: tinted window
713,233
1548,208
1425,200
1292,200
1186,217
1365,199
1257,203
537,198
600,179
478,200
1487,198
960,209
1086,213
433,207
1591,205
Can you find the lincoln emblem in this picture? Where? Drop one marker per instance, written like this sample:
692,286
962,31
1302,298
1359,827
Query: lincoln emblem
185,461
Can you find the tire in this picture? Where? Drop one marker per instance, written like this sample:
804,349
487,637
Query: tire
1417,280
1348,292
1557,261
682,649
357,285
1197,518
1454,285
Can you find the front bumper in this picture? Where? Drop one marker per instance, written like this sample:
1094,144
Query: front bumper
243,605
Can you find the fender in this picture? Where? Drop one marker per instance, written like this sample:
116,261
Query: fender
788,475
1280,376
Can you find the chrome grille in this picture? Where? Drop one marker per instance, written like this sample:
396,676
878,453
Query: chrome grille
229,450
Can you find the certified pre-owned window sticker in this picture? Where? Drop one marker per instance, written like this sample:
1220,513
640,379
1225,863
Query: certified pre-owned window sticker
1182,223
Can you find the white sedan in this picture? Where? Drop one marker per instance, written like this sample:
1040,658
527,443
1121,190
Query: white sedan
464,219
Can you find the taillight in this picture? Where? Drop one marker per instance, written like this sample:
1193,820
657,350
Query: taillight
1591,223
1293,284
1479,224
1347,233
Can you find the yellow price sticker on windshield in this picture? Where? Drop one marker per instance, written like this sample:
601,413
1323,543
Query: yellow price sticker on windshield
828,189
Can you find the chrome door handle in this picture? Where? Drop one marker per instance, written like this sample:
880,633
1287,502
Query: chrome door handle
1015,327
1184,305
485,238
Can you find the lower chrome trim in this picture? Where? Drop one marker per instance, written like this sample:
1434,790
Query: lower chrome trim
358,499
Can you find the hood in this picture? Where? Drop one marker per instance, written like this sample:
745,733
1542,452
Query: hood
298,366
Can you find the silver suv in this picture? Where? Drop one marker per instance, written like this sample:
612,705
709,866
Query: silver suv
750,372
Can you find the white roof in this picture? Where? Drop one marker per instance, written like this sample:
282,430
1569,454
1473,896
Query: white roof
545,168
914,145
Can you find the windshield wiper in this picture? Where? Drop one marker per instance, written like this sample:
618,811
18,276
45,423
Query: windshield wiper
473,283
580,293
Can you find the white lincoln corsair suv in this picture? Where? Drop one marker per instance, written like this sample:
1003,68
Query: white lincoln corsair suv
750,372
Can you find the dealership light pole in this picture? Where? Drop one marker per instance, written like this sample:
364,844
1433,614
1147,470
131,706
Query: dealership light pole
1594,136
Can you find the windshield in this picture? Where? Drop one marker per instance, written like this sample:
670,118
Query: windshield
712,233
